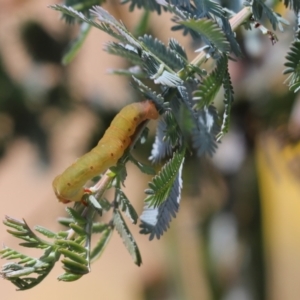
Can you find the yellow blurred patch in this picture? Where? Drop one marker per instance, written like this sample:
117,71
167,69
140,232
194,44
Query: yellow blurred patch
278,167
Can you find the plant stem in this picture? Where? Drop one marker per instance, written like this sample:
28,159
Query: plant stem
235,23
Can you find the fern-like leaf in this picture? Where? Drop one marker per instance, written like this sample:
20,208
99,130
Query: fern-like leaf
230,35
173,134
210,32
211,84
81,17
156,220
148,93
127,237
228,100
126,51
126,206
101,244
73,267
161,185
22,231
76,257
106,17
81,6
293,66
46,232
76,216
19,272
168,56
176,47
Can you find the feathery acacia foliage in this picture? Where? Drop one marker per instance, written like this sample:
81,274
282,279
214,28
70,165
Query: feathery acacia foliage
156,219
182,92
293,66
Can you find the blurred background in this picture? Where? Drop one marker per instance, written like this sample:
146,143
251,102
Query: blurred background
237,235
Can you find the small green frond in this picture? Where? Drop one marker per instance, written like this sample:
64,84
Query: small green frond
73,256
211,84
72,245
100,246
65,221
99,227
173,134
104,26
70,266
188,118
166,55
17,272
156,220
9,253
126,51
75,46
105,17
78,229
46,232
32,245
293,66
148,92
208,8
231,37
127,237
23,232
15,223
176,47
79,5
228,100
76,216
210,31
126,206
161,184
151,65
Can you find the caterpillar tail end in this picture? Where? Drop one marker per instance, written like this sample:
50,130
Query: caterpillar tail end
66,195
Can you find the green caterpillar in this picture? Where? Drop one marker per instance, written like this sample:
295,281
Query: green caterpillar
69,186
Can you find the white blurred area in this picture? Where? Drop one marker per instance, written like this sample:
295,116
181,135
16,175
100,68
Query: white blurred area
231,152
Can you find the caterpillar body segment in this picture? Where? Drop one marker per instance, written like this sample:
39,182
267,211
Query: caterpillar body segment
69,186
